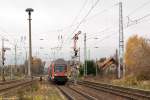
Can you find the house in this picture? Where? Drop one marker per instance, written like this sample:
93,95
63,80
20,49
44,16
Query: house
108,66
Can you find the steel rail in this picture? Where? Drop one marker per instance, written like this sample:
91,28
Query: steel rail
23,83
84,94
11,81
118,90
70,97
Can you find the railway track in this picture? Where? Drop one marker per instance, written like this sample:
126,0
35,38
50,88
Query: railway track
128,93
6,87
75,94
10,81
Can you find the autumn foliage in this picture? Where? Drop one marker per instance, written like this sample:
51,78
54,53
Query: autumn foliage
137,57
37,66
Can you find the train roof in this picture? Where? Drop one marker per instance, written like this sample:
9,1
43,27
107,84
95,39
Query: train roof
60,61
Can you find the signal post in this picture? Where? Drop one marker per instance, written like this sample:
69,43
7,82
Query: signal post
75,65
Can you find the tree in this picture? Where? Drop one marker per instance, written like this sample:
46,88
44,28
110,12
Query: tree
37,66
91,67
81,70
137,57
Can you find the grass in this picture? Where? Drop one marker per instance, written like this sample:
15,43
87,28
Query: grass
129,81
35,86
43,91
132,82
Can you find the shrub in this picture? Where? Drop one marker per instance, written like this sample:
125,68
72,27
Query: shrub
81,70
91,67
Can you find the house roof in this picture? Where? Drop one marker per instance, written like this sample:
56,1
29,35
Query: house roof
107,62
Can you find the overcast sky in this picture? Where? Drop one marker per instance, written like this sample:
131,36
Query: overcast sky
52,18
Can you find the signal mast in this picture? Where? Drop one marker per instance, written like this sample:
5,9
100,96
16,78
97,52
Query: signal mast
75,56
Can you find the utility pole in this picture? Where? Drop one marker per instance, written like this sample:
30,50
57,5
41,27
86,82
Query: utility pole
121,43
89,52
79,56
26,66
15,58
11,69
117,62
96,66
29,10
3,58
53,50
85,56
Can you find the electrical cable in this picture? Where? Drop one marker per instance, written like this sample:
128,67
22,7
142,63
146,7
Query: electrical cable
135,10
90,10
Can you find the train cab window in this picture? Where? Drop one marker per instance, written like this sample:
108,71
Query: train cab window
59,68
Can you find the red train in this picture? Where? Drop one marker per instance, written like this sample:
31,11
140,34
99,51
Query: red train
57,71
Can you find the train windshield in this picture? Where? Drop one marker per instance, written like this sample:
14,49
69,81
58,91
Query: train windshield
59,68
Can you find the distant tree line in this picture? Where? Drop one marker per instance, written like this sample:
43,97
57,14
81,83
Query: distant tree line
21,69
37,66
91,68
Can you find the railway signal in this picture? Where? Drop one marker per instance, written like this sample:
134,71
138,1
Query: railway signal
76,53
75,69
85,55
75,38
3,58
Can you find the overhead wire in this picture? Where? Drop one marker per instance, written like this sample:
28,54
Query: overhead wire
127,27
93,6
101,12
76,17
136,21
136,9
95,33
145,16
81,9
90,10
108,36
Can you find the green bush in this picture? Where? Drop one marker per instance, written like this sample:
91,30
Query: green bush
91,67
81,70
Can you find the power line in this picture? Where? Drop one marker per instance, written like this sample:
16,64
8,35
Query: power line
70,26
99,36
90,10
81,9
135,10
101,12
128,26
93,6
136,21
86,19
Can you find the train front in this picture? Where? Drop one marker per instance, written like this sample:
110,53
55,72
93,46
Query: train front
60,73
